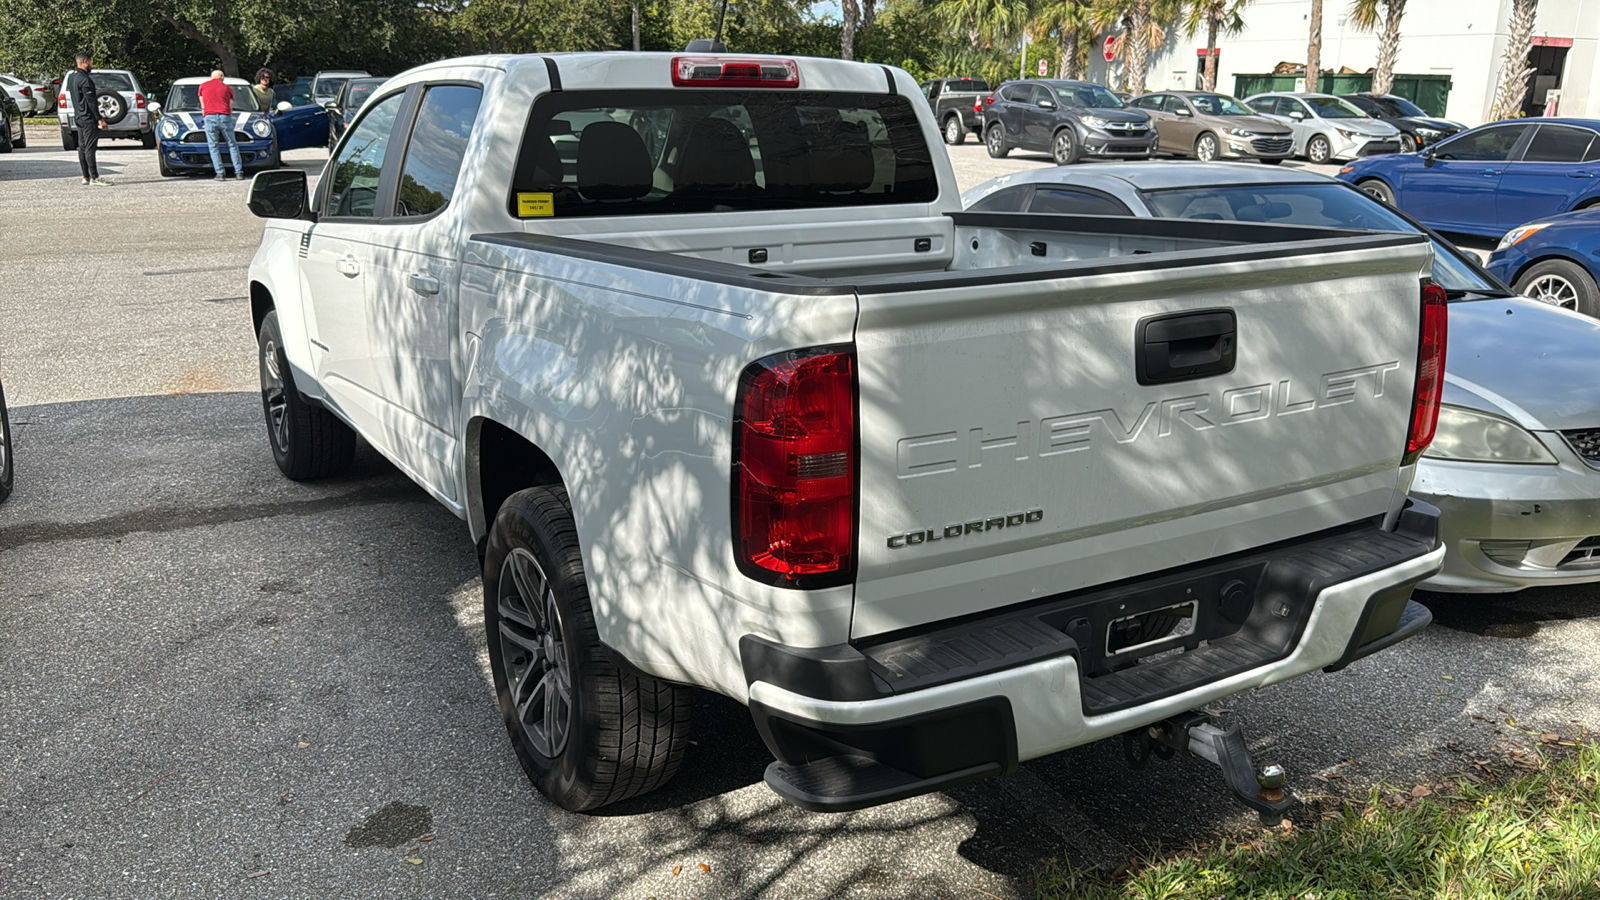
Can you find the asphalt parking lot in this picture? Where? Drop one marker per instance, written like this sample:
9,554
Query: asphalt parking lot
222,682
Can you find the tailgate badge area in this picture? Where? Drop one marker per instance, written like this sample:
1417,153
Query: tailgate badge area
963,529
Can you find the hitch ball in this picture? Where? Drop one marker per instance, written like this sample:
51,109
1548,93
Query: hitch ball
1272,778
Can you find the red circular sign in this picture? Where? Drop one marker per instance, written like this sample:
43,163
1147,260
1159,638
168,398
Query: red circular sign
1111,47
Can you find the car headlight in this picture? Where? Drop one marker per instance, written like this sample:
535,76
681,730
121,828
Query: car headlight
1240,132
1516,234
1428,132
1096,121
169,129
1478,437
261,127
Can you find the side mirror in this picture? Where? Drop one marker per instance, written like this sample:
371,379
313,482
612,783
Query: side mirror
1428,158
279,194
1047,103
1183,113
1296,114
154,107
284,107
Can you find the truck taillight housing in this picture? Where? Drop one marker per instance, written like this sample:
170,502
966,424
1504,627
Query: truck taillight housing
725,72
1430,371
978,106
794,469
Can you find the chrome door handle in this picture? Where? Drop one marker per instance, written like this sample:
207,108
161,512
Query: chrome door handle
1488,172
349,266
1580,174
424,284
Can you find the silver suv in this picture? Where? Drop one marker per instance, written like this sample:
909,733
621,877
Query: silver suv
122,106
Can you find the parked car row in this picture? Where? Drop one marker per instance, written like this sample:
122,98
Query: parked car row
12,133
32,98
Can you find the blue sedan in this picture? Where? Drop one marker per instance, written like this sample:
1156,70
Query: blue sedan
1555,260
1491,179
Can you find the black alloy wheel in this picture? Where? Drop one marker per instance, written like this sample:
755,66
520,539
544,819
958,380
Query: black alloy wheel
994,140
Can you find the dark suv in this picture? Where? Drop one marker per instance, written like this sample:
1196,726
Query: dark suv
1067,119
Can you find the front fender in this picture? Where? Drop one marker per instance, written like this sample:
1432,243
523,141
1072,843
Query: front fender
276,269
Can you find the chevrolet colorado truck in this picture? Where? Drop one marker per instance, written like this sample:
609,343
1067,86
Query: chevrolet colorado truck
732,395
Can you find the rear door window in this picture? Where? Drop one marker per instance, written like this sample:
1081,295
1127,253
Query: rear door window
1264,105
600,153
438,145
1558,143
1017,93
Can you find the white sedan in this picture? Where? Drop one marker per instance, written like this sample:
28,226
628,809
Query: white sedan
31,98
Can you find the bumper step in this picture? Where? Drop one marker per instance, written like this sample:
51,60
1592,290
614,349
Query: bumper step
849,782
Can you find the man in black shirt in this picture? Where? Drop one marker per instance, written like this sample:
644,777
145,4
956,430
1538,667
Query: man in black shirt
80,90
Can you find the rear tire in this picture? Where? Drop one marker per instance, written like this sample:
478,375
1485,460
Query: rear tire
19,139
994,140
7,140
307,440
955,132
1318,150
1377,189
586,732
1562,283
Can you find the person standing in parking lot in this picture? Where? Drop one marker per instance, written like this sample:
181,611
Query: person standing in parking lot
263,90
85,97
216,110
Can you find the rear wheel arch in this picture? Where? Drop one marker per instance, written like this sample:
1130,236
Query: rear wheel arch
501,462
1590,203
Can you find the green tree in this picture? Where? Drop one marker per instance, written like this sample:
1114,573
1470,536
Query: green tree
1143,29
1364,16
1224,17
1314,49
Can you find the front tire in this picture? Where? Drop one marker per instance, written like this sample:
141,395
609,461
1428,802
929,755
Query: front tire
1377,189
1064,147
19,138
1562,283
1409,143
7,464
994,140
954,131
1318,150
1205,147
307,440
586,733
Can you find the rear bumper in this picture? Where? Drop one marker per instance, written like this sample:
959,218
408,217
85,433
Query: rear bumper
855,726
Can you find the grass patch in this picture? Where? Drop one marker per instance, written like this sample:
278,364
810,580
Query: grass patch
1530,833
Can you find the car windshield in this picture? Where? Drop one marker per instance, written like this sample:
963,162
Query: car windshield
329,87
1091,96
1219,105
1334,108
112,81
359,92
1398,106
1314,205
186,98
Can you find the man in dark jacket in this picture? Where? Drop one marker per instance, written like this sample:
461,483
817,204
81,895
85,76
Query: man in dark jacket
85,98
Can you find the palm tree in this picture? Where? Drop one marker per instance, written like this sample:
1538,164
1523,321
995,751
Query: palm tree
1514,68
1217,16
1067,19
1364,16
1142,24
851,13
1314,49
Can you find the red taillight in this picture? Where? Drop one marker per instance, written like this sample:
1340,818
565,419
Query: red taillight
62,99
27,91
716,71
1430,371
138,101
794,470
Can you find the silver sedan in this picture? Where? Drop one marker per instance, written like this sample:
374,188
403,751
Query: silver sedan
1515,464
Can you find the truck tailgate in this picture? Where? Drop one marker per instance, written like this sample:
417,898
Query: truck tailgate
1009,450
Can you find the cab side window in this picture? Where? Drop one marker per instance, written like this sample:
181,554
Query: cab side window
353,189
437,147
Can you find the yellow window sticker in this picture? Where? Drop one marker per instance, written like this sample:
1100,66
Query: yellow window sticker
531,205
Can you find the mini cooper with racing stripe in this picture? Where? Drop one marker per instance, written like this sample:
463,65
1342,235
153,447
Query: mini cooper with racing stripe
181,134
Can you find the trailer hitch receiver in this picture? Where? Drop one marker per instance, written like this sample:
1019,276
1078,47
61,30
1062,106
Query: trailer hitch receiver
1263,788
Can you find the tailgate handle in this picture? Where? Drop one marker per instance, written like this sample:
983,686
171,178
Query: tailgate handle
1185,346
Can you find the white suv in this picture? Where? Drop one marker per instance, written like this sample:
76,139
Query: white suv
122,107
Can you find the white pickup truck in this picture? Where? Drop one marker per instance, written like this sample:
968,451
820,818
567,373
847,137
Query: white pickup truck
732,395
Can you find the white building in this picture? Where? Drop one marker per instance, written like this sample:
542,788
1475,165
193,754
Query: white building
1462,39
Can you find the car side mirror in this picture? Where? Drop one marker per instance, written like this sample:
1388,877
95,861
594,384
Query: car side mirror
1296,114
154,107
279,194
1428,158
1182,113
1047,104
284,107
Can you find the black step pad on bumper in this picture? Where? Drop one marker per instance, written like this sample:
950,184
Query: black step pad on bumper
844,783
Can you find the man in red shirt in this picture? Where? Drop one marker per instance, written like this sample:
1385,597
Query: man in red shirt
216,111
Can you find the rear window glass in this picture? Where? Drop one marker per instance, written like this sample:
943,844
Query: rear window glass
966,84
111,81
599,153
